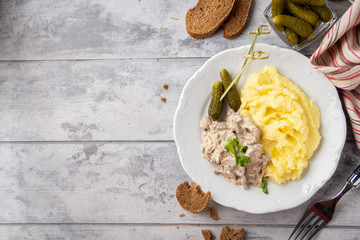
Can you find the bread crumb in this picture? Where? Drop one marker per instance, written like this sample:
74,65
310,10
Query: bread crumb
169,210
182,215
213,214
231,234
177,85
139,1
177,227
163,99
207,235
174,49
173,18
165,86
161,28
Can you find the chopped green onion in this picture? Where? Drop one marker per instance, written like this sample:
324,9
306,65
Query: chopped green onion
264,186
230,146
243,149
242,160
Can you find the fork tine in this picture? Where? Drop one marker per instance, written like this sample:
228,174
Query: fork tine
305,226
308,215
311,227
316,231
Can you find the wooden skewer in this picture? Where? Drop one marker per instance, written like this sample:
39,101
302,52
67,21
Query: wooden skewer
248,58
258,32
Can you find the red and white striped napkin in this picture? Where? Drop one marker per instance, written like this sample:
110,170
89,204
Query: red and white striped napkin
339,58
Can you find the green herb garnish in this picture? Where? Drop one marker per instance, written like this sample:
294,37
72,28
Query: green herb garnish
231,147
243,149
264,186
242,160
234,142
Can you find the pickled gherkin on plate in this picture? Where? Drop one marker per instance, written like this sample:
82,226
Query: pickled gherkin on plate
215,107
233,95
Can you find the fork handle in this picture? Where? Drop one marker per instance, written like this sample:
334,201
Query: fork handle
354,178
353,181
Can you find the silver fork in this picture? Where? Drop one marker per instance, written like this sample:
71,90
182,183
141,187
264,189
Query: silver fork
320,213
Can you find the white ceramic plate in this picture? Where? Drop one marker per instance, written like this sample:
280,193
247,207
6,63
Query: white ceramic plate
193,105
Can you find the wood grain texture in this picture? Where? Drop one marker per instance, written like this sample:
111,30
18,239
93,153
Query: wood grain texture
115,29
77,75
127,183
159,232
93,100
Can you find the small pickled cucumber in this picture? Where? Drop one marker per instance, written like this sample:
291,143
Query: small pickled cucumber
323,12
310,2
291,36
301,39
233,95
301,27
277,8
215,107
303,13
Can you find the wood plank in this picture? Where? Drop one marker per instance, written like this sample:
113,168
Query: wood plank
131,182
92,100
96,29
115,232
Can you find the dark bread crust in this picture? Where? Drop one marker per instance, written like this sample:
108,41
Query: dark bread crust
192,199
207,235
207,16
213,214
237,19
231,234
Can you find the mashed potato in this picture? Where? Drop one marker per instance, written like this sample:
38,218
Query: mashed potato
289,122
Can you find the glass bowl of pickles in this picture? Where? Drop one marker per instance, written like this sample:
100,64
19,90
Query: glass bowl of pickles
300,22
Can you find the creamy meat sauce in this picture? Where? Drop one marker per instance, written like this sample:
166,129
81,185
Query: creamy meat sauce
214,138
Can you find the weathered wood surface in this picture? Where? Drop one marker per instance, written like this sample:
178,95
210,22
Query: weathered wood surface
86,146
159,232
96,29
92,100
130,182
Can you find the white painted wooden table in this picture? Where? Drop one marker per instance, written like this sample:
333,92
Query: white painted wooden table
87,150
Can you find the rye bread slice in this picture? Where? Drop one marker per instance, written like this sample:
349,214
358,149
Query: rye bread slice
231,234
191,198
235,23
207,16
